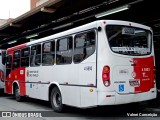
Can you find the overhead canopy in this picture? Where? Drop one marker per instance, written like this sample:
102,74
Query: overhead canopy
29,20
53,15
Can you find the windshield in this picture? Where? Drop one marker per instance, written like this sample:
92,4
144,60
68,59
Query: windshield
129,40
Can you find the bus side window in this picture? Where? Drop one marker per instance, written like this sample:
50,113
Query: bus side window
35,58
48,54
16,59
25,53
64,51
84,46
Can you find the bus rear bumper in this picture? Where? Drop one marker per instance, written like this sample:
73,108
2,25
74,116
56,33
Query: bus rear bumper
106,98
113,98
129,98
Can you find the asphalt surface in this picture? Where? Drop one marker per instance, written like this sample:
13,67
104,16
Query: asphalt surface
33,108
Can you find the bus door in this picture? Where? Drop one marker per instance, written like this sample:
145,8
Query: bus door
8,73
85,57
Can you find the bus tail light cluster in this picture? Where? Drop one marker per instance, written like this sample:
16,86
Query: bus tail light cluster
106,76
154,71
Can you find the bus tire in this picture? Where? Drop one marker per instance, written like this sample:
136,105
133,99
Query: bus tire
56,100
17,94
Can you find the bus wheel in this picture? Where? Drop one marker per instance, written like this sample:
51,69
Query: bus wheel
17,94
56,100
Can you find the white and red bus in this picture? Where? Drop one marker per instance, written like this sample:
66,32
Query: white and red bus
106,62
2,68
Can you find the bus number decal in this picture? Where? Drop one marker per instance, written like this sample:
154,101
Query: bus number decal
88,68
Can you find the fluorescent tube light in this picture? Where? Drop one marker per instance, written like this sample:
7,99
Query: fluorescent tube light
31,36
11,42
112,11
62,26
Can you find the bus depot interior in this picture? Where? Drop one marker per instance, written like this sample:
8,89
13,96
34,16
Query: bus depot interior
59,15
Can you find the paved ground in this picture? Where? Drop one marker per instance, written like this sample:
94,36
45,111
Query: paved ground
8,103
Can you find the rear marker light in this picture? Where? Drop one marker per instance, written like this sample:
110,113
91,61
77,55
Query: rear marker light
154,70
91,84
108,95
91,90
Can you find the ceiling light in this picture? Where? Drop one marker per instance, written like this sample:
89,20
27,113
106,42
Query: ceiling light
31,36
112,11
11,42
62,26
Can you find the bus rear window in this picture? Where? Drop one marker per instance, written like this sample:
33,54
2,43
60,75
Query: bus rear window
129,40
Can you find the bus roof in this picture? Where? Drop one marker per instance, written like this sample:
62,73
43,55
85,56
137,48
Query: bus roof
79,29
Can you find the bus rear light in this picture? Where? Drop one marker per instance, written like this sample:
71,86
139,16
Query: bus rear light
154,70
106,75
106,83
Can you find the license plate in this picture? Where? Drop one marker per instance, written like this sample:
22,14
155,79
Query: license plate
134,83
